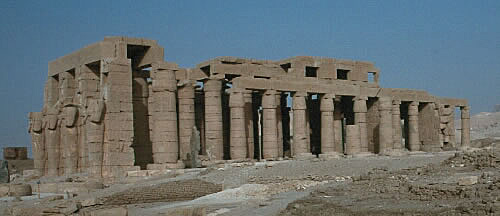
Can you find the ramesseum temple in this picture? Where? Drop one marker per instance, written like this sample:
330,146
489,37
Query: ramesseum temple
117,106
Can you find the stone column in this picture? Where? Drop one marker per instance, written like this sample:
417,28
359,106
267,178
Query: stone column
386,138
413,135
465,122
360,110
213,119
279,124
165,141
327,124
396,125
247,97
70,139
238,139
300,133
37,141
352,141
337,125
269,131
186,95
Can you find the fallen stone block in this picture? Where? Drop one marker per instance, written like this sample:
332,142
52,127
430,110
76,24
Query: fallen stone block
91,201
159,172
139,173
20,190
467,180
186,211
118,211
4,190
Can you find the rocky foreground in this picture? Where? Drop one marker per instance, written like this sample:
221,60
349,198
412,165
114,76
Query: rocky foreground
444,183
466,184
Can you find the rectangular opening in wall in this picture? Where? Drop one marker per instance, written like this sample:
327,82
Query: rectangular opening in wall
261,77
286,66
230,77
206,70
311,71
230,62
342,74
371,77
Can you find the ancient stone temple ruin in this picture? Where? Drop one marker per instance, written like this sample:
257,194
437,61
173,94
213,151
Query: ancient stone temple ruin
117,106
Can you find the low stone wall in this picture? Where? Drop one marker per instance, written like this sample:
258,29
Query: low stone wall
166,192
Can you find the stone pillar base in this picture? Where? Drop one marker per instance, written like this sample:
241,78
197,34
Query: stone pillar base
394,152
304,156
362,154
330,155
178,165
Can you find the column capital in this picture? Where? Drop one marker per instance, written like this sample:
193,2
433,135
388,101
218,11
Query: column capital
236,98
212,85
299,101
360,105
385,103
413,108
269,99
465,112
327,104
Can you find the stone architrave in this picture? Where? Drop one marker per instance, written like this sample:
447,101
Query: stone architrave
413,134
95,136
385,129
300,133
360,111
465,124
269,131
37,141
238,139
69,133
397,135
327,124
213,119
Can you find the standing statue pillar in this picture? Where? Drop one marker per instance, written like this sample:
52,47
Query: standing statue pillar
413,134
247,97
465,123
37,141
300,132
386,138
327,109
69,133
360,111
95,136
52,136
397,135
238,139
269,131
213,119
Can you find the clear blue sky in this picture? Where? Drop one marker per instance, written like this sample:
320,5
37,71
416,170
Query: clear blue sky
449,48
